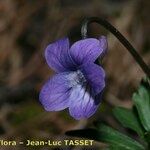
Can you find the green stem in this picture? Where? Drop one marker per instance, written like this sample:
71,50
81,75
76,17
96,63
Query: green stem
119,36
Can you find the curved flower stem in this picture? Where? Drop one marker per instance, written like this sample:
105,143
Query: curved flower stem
119,36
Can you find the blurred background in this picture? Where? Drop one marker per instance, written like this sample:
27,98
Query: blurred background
27,27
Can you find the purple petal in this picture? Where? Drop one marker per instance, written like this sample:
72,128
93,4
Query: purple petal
54,94
87,50
82,104
104,45
57,56
95,75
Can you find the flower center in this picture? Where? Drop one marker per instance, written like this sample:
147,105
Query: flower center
77,77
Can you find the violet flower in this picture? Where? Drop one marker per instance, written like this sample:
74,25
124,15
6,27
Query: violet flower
79,83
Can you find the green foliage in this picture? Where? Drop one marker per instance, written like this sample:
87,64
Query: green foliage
128,119
108,135
142,102
117,139
137,119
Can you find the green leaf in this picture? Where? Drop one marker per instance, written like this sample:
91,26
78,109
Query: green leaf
142,102
128,119
115,138
114,147
147,136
